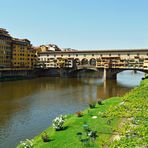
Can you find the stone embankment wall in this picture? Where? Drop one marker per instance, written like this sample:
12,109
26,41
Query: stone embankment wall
16,74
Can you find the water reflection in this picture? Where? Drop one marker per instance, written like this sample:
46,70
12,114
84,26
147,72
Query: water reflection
27,107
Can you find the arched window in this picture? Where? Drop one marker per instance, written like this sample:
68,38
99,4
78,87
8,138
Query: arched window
92,62
77,61
84,61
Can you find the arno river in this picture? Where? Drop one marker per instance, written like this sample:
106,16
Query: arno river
27,107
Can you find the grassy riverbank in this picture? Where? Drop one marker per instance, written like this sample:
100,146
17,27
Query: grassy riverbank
118,121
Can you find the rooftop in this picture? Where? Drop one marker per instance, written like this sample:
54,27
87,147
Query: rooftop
4,32
97,51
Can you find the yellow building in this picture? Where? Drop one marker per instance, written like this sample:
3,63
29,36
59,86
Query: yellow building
33,55
145,65
5,48
23,55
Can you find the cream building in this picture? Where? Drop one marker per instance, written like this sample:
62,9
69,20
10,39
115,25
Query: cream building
98,58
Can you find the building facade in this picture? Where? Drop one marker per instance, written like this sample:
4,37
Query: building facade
23,56
98,58
16,53
5,48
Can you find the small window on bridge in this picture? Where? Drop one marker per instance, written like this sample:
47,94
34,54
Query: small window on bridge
128,54
76,55
69,55
92,54
84,55
54,55
110,55
119,55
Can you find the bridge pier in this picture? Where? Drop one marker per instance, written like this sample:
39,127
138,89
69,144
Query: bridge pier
135,71
109,74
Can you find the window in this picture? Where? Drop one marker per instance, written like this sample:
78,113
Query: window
92,54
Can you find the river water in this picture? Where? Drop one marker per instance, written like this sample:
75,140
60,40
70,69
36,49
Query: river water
27,107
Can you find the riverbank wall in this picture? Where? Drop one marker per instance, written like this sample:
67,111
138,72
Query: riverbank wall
11,75
54,72
8,75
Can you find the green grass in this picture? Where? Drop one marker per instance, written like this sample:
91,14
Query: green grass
133,109
134,130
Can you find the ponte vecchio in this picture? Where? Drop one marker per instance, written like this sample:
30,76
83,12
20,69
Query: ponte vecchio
109,61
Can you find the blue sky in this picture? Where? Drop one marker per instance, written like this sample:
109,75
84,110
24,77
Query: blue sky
79,24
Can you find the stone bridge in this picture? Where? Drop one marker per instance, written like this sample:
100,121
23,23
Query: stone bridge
108,72
110,62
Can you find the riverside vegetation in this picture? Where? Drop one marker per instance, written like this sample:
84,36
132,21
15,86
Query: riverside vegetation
117,122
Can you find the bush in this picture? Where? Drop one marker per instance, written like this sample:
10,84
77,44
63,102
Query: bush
87,136
58,122
92,105
92,135
26,144
45,137
79,114
99,102
86,127
79,134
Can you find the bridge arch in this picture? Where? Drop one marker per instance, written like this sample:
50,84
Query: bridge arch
122,70
84,61
112,73
134,71
92,62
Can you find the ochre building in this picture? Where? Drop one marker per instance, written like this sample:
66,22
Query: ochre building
16,53
23,55
5,48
